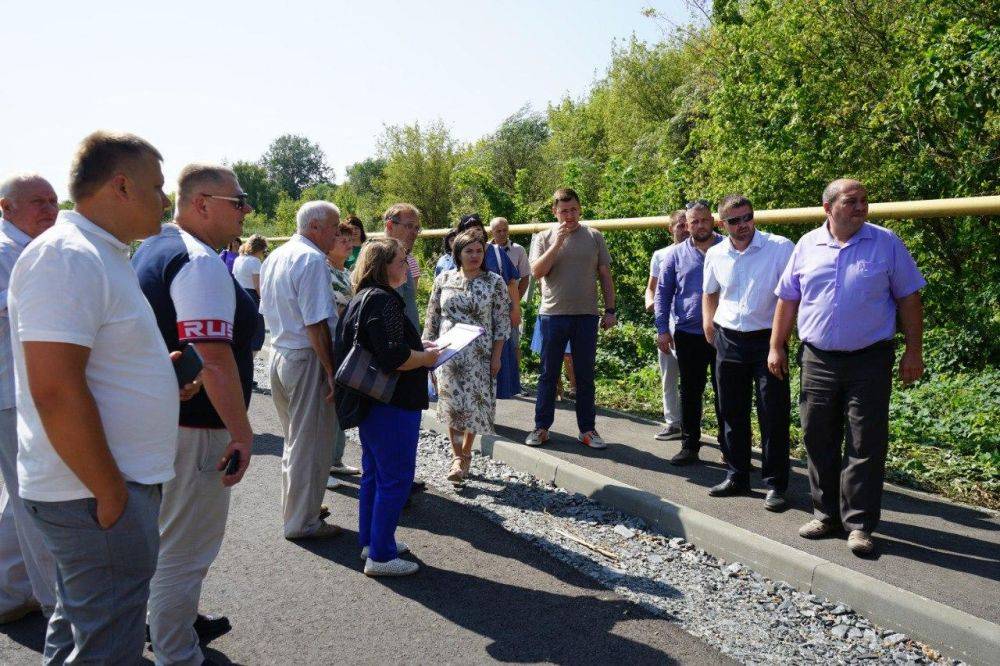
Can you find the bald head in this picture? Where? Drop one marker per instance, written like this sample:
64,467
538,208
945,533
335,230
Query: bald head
838,187
28,201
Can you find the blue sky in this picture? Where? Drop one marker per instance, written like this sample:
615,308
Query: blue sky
219,80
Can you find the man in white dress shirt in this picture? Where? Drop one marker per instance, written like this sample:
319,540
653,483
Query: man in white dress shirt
298,305
738,305
27,570
97,401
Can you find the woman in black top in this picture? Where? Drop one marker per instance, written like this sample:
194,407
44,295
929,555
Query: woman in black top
388,431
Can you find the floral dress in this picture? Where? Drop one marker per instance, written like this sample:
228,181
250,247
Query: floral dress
343,291
466,390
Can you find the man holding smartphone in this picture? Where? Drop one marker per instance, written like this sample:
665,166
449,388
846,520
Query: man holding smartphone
198,303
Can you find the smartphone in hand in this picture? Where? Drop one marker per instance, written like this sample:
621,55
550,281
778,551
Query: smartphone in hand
188,366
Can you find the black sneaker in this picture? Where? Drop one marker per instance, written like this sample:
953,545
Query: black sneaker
668,433
728,488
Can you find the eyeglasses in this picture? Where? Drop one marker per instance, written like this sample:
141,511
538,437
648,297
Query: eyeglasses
698,202
411,227
739,219
239,201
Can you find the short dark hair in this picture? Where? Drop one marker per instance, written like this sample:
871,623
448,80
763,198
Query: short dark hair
469,221
449,238
731,201
462,241
100,155
356,222
564,194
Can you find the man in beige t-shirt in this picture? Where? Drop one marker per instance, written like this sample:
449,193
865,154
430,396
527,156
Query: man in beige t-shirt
568,260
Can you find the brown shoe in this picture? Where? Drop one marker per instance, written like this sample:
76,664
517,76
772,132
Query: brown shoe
817,529
324,511
860,542
15,614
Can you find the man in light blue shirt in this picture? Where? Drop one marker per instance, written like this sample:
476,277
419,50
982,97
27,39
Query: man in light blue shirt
29,207
737,309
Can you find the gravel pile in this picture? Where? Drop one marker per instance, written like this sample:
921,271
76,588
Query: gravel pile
745,615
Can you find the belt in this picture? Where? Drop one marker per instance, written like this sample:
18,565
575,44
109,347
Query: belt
763,333
881,345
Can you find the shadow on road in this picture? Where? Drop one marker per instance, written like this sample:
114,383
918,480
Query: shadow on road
526,624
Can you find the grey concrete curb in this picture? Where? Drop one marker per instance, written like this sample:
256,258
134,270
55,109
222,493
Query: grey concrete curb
953,632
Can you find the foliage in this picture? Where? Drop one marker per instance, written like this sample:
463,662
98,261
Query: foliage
294,162
263,192
418,166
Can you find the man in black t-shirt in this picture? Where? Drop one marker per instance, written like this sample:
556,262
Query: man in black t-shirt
196,301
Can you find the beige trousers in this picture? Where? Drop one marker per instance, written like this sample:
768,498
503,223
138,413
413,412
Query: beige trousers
192,523
298,385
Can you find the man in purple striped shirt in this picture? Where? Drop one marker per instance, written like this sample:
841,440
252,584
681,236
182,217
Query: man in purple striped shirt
847,280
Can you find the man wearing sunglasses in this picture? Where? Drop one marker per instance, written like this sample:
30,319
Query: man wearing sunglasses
846,282
196,301
737,309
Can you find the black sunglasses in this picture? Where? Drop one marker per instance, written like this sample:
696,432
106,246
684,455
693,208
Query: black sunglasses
239,201
698,202
739,219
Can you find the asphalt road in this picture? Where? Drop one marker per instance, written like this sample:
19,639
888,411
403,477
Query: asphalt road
482,595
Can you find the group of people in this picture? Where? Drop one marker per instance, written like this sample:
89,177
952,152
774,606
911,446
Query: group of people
724,310
117,471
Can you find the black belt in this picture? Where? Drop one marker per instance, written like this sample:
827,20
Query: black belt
881,345
763,333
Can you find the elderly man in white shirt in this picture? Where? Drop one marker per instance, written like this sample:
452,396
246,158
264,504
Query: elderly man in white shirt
97,401
27,570
738,305
298,305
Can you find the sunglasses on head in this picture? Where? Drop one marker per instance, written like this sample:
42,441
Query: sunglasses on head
739,219
698,202
239,201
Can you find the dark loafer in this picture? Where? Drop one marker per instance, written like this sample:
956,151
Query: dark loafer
728,488
685,457
210,627
775,501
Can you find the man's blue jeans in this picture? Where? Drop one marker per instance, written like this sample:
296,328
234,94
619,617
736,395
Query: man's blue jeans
581,332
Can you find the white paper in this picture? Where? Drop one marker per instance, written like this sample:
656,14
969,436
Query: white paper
457,338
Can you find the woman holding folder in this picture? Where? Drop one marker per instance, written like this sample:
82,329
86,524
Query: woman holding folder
469,295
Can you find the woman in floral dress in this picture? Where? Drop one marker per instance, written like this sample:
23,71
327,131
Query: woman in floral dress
467,383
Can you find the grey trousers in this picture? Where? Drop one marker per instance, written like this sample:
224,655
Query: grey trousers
298,385
851,388
27,569
192,524
669,381
102,577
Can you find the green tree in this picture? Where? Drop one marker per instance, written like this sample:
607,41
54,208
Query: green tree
263,192
294,162
418,167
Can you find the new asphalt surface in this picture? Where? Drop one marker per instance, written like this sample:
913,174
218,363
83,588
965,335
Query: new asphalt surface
482,595
938,549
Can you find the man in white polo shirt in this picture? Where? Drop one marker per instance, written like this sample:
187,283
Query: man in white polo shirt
738,305
97,401
27,570
298,306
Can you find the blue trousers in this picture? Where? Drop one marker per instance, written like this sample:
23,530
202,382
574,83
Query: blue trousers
388,460
581,332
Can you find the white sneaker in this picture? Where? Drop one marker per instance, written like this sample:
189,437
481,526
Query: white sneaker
400,549
592,439
346,470
396,567
537,437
